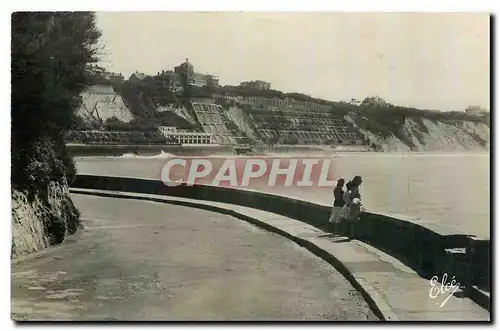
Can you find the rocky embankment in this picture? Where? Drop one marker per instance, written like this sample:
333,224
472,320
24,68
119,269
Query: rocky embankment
244,122
384,129
429,135
42,220
399,130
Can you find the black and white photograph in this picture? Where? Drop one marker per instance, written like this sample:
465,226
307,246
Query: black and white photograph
256,166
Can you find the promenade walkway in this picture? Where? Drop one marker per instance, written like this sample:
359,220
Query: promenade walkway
393,290
141,260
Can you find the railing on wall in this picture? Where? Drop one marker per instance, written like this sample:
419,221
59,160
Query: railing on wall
427,252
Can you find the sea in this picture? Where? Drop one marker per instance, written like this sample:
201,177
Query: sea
448,189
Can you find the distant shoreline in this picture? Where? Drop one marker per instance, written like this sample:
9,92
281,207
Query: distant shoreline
83,150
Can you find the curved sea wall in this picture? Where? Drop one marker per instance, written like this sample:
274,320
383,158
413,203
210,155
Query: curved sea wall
429,252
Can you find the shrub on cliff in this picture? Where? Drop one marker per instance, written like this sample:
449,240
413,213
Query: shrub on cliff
290,141
51,52
143,99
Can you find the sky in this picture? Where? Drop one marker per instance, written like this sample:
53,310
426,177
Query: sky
424,60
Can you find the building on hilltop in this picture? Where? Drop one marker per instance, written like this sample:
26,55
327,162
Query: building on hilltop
100,74
190,77
256,84
475,111
185,67
212,81
113,77
198,80
170,80
116,78
137,76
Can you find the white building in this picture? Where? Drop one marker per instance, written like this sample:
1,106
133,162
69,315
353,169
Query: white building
474,111
186,137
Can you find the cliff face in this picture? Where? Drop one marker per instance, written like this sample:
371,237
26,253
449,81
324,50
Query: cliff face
244,122
429,135
42,221
100,102
390,131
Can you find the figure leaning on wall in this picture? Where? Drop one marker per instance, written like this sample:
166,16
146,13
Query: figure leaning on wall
353,207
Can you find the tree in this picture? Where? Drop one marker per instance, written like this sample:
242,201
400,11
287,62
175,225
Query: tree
51,53
354,102
80,124
114,124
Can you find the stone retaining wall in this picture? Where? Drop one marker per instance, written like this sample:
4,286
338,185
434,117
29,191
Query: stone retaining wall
146,150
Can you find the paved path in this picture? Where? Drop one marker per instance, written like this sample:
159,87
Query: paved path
395,291
140,260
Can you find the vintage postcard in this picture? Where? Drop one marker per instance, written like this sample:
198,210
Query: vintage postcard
250,166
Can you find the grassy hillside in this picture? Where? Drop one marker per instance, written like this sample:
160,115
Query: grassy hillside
143,99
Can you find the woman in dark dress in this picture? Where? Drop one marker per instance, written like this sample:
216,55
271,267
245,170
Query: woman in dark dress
338,203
